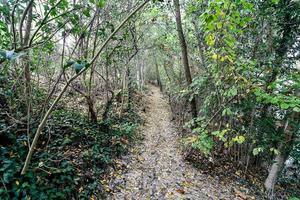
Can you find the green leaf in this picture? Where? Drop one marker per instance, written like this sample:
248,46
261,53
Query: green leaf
284,106
257,150
3,53
66,141
227,112
232,92
216,133
296,109
294,198
101,3
78,66
220,134
86,12
69,63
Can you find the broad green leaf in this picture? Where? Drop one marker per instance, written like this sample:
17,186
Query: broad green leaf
227,112
101,3
296,109
284,106
78,67
232,92
86,12
69,63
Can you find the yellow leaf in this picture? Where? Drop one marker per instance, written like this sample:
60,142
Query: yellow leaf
210,39
239,139
238,172
186,184
214,57
170,194
17,182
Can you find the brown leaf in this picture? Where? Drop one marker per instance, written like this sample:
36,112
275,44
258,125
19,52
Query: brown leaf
181,191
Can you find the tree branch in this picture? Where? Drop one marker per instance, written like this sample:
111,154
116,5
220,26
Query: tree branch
44,120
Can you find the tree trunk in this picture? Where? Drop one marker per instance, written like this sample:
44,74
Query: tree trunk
157,74
140,63
284,150
274,172
27,75
184,53
130,87
92,112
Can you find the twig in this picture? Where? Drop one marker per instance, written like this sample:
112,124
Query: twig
218,111
4,185
44,170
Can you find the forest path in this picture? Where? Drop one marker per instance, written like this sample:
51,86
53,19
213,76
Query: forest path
156,169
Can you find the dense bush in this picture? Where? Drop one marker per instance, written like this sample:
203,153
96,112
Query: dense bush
71,157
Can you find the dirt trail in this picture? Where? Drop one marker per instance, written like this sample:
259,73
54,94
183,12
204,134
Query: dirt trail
156,169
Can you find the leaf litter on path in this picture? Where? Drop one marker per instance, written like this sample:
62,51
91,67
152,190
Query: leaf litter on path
156,168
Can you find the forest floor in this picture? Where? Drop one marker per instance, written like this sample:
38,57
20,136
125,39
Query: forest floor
156,169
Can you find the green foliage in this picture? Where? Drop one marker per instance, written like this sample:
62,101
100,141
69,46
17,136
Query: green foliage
221,134
3,34
241,53
79,65
283,101
54,174
202,141
35,184
243,56
229,84
101,3
294,198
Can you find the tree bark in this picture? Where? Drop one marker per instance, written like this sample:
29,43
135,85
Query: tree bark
276,167
157,73
184,53
284,150
27,75
92,111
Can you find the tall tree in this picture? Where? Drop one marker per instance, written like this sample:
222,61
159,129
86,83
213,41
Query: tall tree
184,52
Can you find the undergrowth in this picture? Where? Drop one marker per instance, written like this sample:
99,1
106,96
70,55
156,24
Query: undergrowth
70,159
